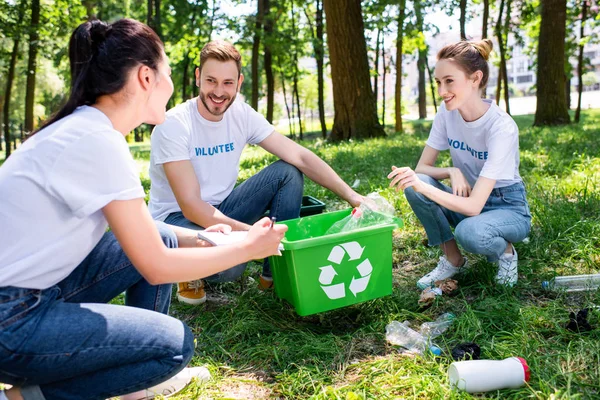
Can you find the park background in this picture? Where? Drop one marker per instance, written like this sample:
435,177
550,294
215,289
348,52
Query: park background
327,73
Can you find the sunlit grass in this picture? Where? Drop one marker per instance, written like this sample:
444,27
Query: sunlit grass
257,347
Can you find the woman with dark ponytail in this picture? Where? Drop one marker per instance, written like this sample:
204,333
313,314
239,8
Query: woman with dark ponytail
59,192
486,200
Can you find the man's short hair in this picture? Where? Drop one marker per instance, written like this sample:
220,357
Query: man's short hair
222,51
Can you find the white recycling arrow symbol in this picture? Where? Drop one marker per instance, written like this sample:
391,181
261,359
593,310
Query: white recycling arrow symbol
328,272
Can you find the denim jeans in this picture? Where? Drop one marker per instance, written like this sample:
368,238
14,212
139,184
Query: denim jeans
504,218
64,343
277,188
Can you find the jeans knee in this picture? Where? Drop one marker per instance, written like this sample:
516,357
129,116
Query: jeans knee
470,237
167,235
189,344
290,173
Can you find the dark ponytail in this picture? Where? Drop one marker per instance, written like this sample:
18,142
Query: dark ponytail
101,57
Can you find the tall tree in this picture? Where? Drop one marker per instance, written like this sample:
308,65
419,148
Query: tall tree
11,77
551,101
421,61
463,19
258,26
354,103
268,58
485,19
398,86
584,8
34,37
501,30
318,48
376,74
484,31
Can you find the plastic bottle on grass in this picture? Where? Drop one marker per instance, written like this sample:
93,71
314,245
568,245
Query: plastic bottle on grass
435,328
573,283
400,334
486,375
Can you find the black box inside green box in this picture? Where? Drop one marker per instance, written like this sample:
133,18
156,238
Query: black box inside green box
311,206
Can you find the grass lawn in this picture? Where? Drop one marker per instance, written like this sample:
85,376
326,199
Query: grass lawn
257,347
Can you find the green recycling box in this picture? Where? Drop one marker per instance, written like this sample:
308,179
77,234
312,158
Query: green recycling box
318,272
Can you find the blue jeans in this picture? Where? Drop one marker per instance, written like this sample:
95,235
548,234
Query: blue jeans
277,188
504,218
64,343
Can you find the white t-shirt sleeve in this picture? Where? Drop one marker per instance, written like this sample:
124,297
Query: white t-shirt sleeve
438,136
503,148
257,126
170,142
94,171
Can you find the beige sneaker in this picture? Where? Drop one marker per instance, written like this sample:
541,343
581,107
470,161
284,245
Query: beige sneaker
191,292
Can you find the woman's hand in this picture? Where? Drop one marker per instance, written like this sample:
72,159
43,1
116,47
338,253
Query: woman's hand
405,177
223,228
460,185
263,239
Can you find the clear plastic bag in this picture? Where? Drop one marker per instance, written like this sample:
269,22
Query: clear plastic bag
375,210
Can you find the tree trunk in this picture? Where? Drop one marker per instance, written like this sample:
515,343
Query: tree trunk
296,94
501,70
376,75
34,37
354,103
9,83
551,101
431,85
503,49
319,51
463,19
287,107
255,53
499,86
398,86
268,60
157,19
150,14
421,65
383,81
486,17
484,32
584,6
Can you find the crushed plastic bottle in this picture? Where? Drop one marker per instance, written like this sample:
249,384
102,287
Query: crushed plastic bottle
433,329
375,210
400,334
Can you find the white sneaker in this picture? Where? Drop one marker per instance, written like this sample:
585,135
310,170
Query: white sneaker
444,270
508,269
178,382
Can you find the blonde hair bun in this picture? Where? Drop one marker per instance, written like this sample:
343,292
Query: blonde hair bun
484,47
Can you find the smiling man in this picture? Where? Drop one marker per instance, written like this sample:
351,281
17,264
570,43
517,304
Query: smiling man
195,159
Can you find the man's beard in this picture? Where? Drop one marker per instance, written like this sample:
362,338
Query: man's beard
217,112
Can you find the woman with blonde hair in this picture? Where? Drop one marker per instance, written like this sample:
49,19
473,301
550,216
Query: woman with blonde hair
485,201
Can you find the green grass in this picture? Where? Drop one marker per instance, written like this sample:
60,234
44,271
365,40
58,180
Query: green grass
257,347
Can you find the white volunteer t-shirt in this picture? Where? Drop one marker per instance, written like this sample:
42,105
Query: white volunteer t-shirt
486,147
52,190
214,148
